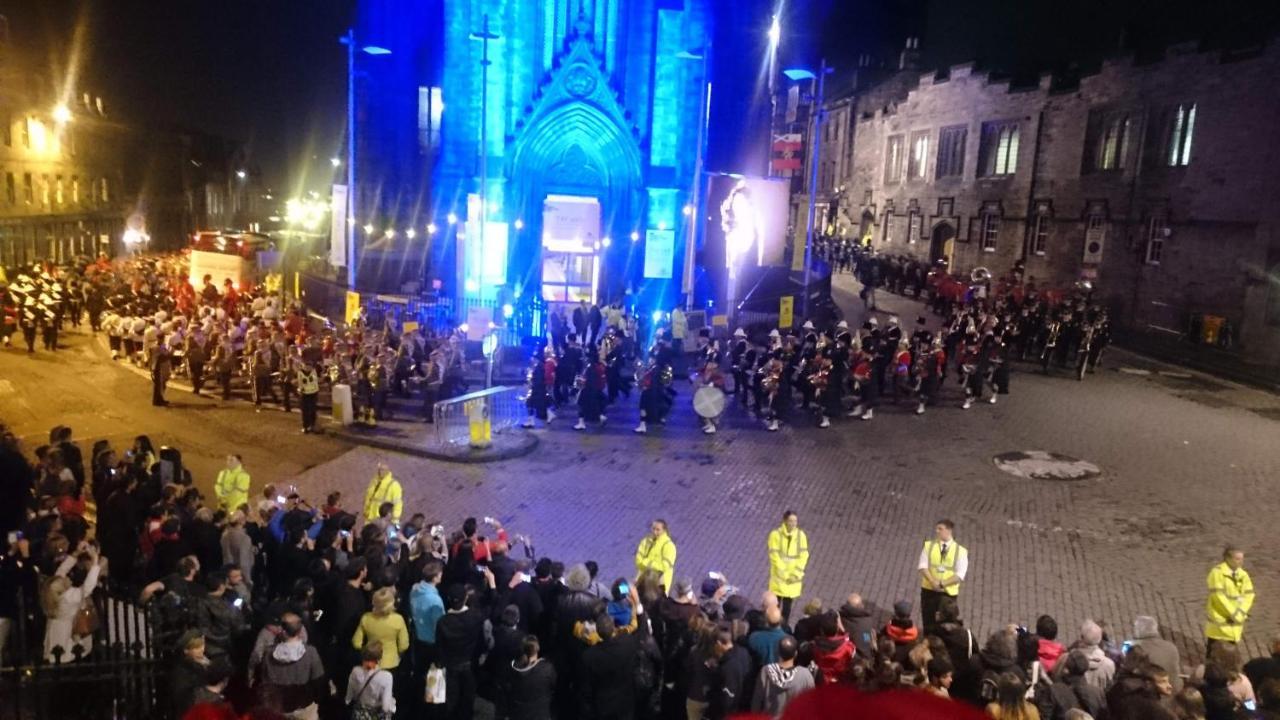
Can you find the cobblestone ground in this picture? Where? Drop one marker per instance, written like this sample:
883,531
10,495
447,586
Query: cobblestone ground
1189,463
1188,466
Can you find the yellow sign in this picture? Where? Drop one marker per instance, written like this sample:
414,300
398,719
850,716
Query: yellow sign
353,306
479,427
720,321
786,311
409,326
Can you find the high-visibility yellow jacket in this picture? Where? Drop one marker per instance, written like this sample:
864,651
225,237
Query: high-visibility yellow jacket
788,557
232,488
659,556
385,489
944,567
1230,598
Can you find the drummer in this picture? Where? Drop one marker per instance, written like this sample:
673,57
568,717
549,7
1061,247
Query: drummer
709,398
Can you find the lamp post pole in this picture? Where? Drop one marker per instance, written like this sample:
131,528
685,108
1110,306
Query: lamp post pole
484,36
696,210
350,41
814,156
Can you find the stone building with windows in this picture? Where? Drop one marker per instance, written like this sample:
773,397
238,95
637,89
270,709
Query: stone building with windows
1157,182
61,166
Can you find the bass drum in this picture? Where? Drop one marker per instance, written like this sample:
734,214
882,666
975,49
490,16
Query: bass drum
708,402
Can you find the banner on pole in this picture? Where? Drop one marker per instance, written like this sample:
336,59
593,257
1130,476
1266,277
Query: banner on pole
353,307
786,311
338,227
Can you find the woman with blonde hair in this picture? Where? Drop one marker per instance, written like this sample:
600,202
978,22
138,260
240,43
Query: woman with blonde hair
383,624
62,599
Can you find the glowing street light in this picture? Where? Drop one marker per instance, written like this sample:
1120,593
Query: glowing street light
635,236
519,224
391,233
335,161
775,33
687,211
62,114
411,233
368,229
607,241
452,218
241,174
431,228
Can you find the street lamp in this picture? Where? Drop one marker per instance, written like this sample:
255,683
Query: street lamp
335,161
484,35
815,136
62,114
350,41
241,174
704,117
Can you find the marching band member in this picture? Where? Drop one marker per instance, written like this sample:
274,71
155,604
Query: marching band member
711,376
591,394
868,390
542,376
933,366
902,384
655,388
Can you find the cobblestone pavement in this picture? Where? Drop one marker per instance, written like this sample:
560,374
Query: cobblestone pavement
1188,462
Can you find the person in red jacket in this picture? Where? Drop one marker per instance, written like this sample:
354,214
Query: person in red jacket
833,651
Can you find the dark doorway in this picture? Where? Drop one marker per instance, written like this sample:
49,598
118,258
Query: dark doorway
941,242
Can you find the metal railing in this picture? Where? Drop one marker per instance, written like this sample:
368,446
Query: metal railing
502,408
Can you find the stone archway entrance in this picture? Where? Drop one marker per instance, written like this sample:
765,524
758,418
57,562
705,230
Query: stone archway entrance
942,242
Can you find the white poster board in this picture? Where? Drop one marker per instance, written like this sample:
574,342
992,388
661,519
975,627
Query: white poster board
659,253
338,228
570,223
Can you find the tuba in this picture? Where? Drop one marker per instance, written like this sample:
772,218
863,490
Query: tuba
980,275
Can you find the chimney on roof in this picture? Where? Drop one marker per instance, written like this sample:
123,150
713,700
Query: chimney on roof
910,57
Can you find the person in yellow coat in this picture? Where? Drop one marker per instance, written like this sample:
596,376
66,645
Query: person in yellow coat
383,488
232,485
657,552
788,557
1230,599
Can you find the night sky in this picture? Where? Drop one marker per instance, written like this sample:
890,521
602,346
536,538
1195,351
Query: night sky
271,72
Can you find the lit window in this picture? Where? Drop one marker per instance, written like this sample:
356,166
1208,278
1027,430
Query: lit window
1112,144
999,148
893,160
1183,129
1156,229
75,190
57,193
915,227
104,193
919,156
990,231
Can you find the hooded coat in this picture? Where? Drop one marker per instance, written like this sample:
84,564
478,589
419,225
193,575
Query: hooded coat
777,686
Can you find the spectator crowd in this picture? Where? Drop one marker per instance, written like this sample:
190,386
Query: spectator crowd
267,602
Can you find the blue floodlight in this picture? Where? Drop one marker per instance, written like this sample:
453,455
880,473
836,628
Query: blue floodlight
508,310
798,74
657,316
375,50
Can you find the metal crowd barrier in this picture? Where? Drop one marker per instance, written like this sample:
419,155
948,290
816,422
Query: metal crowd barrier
473,419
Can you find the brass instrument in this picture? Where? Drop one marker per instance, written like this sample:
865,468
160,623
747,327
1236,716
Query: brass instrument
980,275
772,376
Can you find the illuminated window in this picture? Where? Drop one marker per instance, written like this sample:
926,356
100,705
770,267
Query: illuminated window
919,156
57,192
75,190
1156,230
998,152
44,190
28,189
430,111
1182,128
1111,142
26,133
104,193
990,231
951,151
893,160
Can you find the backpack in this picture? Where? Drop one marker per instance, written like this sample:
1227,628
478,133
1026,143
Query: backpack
988,688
